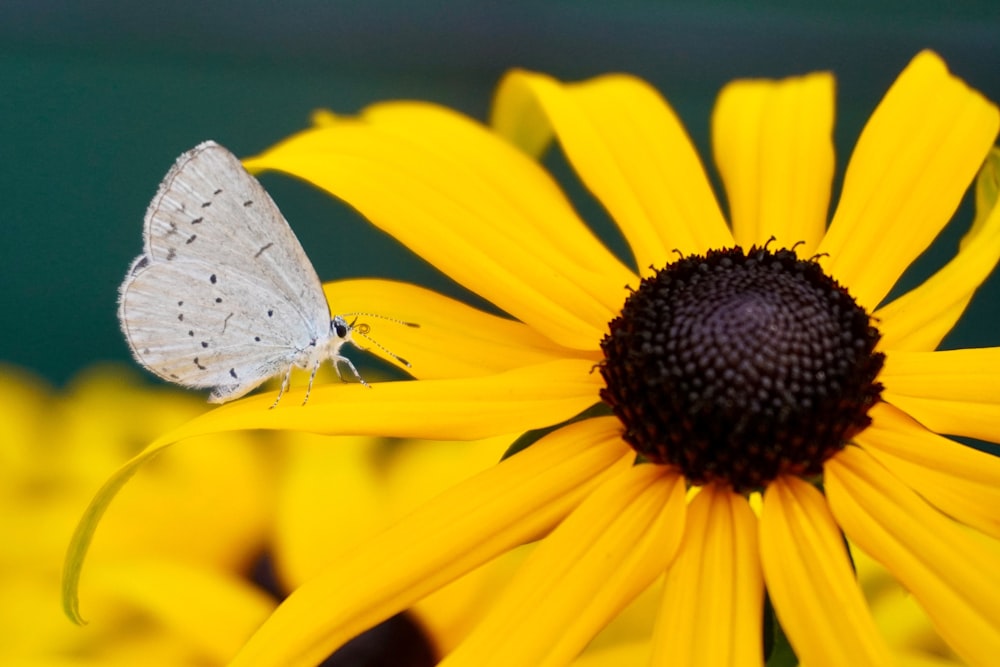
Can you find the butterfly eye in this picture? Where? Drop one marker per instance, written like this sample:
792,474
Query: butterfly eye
339,327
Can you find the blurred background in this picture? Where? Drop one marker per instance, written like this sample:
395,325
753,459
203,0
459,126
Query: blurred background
97,99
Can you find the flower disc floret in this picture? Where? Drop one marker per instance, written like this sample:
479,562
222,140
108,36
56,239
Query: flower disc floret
739,367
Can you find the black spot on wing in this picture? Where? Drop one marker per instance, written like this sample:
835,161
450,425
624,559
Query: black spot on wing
198,221
171,253
204,343
180,317
206,204
191,239
218,192
262,249
232,372
218,299
248,203
212,279
198,364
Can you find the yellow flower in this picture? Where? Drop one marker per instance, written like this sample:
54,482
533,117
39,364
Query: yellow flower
751,360
177,575
180,532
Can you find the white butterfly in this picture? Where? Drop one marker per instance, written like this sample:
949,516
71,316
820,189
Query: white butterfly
223,295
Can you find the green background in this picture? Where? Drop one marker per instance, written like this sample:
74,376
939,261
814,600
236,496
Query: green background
98,98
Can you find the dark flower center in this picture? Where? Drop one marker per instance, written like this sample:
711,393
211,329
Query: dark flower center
739,367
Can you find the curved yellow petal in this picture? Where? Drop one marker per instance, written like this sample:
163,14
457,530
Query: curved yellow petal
472,205
987,192
453,339
516,115
714,590
811,582
914,160
605,553
960,481
920,319
631,151
450,409
509,504
773,144
949,391
952,575
466,409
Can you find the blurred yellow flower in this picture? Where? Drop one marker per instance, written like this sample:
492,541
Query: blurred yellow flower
191,562
181,533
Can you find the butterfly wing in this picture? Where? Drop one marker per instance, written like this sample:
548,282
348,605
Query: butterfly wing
209,208
224,295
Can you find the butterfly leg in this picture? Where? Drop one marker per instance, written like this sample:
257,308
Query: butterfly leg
312,376
336,365
284,386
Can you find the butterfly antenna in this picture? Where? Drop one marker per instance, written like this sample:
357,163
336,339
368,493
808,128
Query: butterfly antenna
381,317
363,329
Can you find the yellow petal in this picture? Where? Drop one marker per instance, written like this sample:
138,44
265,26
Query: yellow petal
773,143
511,503
337,492
542,204
605,553
714,590
449,614
451,409
960,481
453,340
471,409
635,652
900,619
631,151
949,391
921,318
914,160
470,204
811,582
633,624
987,193
516,115
951,574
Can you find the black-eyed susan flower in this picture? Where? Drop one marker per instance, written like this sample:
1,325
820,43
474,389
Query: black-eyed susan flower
766,398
